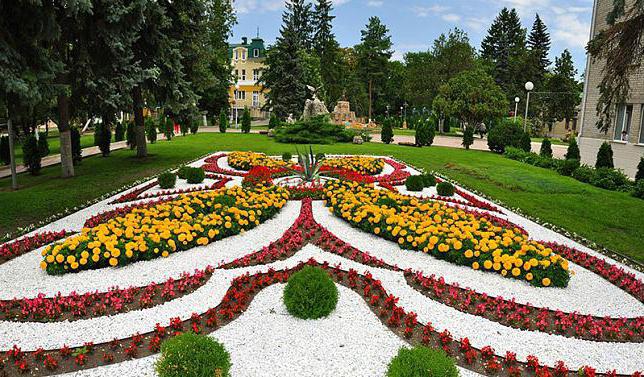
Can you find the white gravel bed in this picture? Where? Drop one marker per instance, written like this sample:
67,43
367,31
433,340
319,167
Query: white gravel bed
22,276
587,292
426,192
181,184
266,340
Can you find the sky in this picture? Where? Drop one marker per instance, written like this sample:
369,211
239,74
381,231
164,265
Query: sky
414,24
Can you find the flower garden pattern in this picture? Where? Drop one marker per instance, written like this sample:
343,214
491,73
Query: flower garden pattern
408,301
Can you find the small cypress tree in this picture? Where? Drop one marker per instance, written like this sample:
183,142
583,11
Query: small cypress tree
525,142
43,144
223,121
573,150
168,130
119,131
424,134
194,127
77,151
605,156
31,155
185,125
640,170
468,137
546,148
103,138
387,132
245,126
130,135
151,129
4,150
274,122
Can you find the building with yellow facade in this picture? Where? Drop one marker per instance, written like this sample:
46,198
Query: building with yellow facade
247,63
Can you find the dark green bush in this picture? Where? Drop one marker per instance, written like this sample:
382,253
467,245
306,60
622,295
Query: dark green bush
195,175
640,170
422,362
415,183
584,174
184,126
573,150
424,134
183,172
638,189
310,293
4,150
130,135
151,129
31,155
605,183
605,156
515,153
468,137
546,148
103,138
223,121
316,130
387,132
77,151
616,177
567,167
246,121
168,130
429,180
167,180
287,156
43,144
192,355
507,134
194,127
119,131
274,122
445,189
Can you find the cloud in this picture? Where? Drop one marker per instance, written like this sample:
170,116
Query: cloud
451,17
570,30
401,49
249,6
375,3
430,10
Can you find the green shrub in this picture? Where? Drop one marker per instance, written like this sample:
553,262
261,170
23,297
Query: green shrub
192,355
320,156
546,148
387,132
316,130
567,167
77,151
168,130
130,135
287,156
507,134
103,138
151,130
223,121
428,180
468,137
274,122
31,155
424,134
445,189
195,175
422,362
246,121
167,180
4,150
183,172
415,183
43,144
605,183
640,170
638,189
584,174
515,153
194,127
119,131
184,126
616,178
573,150
605,156
310,293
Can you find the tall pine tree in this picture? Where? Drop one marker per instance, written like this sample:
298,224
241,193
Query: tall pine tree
284,74
326,48
539,44
303,22
565,88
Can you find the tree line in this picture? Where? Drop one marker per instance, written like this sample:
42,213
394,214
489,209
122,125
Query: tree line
74,60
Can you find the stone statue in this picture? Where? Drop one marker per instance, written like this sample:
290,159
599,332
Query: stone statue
314,107
290,119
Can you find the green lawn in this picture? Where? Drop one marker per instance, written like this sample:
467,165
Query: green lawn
610,218
553,141
87,140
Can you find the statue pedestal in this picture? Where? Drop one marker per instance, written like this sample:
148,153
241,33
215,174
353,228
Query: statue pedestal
342,113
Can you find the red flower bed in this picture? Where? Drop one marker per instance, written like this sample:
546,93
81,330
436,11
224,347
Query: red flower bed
212,165
26,244
138,193
258,175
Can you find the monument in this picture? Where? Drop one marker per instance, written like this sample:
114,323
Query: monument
342,113
314,107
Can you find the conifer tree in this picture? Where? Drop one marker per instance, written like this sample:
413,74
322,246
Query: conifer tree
539,44
303,21
327,49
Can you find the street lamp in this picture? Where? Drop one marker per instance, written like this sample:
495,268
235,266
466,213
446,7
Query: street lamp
516,107
529,86
387,111
236,108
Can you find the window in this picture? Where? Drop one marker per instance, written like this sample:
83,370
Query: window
240,95
256,53
255,99
243,76
641,141
623,122
243,54
236,54
256,74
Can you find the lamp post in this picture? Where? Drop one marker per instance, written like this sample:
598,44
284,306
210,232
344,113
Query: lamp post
529,86
516,107
387,111
236,108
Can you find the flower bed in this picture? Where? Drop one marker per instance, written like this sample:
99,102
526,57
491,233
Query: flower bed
139,193
146,233
359,164
447,233
247,160
24,245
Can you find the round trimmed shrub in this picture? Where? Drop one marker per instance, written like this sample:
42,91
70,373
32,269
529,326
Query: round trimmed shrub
584,174
429,180
638,189
192,355
415,183
445,189
546,148
422,362
567,167
183,172
167,180
195,175
605,156
310,293
287,156
573,150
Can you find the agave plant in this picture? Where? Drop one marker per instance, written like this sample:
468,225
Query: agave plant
310,166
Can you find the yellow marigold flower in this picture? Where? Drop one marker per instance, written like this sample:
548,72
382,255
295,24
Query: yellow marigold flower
516,271
113,262
60,258
469,254
487,264
43,265
475,265
528,276
545,282
95,258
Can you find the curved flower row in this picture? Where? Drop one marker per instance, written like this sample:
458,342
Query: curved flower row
139,193
248,160
447,233
26,244
359,164
150,232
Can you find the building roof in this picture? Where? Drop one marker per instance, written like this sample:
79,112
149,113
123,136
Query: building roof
255,44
